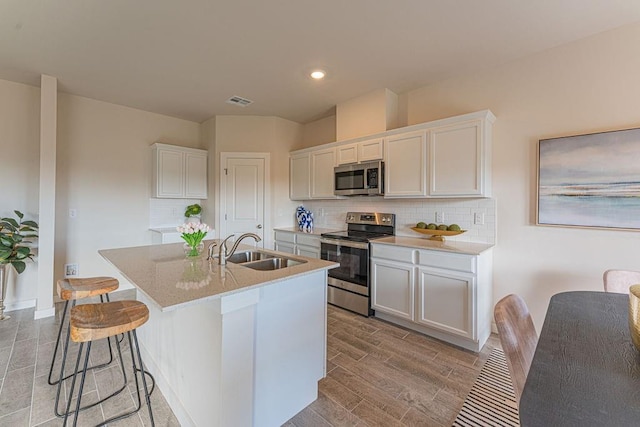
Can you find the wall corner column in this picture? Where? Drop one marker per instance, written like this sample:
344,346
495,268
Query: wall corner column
47,197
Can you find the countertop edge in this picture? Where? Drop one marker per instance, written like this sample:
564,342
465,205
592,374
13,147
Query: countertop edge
466,248
236,291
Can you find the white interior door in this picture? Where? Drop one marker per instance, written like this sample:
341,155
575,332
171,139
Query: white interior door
244,194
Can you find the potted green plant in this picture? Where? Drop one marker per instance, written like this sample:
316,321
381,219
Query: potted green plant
192,213
14,237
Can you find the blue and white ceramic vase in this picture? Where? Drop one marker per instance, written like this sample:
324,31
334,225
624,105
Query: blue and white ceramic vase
305,219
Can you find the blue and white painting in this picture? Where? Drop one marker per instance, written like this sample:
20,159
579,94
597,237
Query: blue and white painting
590,180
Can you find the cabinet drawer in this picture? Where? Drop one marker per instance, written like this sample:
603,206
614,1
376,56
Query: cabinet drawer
396,253
308,240
447,260
283,236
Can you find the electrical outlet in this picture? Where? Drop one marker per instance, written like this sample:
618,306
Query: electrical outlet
73,213
71,270
478,218
440,217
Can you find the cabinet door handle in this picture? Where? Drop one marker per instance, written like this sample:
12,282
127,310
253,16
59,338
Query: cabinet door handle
259,226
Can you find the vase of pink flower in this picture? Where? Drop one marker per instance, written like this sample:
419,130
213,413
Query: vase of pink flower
192,234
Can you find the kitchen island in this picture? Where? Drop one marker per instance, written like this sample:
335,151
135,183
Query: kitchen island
227,344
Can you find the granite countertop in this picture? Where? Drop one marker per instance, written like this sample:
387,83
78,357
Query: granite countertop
423,243
316,231
167,277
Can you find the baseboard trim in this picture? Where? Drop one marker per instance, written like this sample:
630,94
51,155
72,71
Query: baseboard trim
20,305
41,314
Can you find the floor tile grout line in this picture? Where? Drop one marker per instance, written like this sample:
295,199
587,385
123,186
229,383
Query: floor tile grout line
33,384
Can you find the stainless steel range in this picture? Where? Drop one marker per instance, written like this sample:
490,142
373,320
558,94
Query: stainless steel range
348,285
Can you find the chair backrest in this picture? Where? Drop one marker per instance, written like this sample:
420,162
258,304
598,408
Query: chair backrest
620,280
518,338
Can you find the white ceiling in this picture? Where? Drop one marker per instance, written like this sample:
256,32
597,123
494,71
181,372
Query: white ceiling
185,58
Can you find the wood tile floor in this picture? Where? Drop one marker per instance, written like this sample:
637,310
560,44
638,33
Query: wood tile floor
26,347
378,375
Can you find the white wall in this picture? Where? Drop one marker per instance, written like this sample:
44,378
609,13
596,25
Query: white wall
368,114
322,131
104,172
19,170
588,86
262,134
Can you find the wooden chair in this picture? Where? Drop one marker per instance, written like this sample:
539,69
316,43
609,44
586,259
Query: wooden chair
620,280
518,337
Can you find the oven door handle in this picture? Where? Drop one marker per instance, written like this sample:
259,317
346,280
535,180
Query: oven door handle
346,243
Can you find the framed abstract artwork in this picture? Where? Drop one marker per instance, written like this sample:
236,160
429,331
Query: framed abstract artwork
590,180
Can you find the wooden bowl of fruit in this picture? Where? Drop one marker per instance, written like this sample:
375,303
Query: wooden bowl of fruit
438,231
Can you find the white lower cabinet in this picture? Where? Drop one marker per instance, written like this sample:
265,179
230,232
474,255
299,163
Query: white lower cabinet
442,294
394,289
445,301
297,243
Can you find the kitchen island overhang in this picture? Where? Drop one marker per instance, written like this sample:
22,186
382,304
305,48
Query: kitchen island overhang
230,345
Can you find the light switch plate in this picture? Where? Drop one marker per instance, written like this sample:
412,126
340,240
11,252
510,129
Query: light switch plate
478,218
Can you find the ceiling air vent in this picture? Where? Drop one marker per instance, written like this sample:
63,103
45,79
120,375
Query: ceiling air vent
239,101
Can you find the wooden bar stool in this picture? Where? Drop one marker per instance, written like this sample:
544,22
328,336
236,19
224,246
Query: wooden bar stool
71,290
91,322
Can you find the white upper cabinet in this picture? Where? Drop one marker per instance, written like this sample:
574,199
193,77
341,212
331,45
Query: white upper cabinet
300,176
311,174
405,169
359,152
179,172
371,150
459,159
446,158
322,164
195,186
347,154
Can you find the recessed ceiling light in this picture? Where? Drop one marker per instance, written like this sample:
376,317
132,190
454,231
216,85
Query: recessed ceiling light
317,74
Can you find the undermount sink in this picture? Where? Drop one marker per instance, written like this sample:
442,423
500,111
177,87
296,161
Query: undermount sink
262,261
248,256
273,263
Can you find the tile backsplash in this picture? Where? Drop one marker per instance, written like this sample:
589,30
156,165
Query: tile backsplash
168,212
331,214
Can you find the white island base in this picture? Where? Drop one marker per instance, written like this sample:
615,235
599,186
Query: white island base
252,358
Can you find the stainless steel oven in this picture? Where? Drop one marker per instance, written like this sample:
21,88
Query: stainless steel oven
348,284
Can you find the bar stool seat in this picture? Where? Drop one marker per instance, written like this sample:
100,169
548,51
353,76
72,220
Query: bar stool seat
90,322
85,287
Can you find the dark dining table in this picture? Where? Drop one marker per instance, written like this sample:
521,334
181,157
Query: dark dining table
585,371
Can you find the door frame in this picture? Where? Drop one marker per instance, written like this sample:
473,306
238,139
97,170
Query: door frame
222,193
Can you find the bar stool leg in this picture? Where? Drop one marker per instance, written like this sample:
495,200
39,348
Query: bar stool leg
59,383
142,374
73,383
55,351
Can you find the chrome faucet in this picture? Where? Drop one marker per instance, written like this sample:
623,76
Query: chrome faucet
210,250
223,254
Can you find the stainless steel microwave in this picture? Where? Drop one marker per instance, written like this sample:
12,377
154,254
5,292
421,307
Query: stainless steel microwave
363,179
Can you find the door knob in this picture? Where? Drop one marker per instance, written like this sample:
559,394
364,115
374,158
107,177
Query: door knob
259,226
